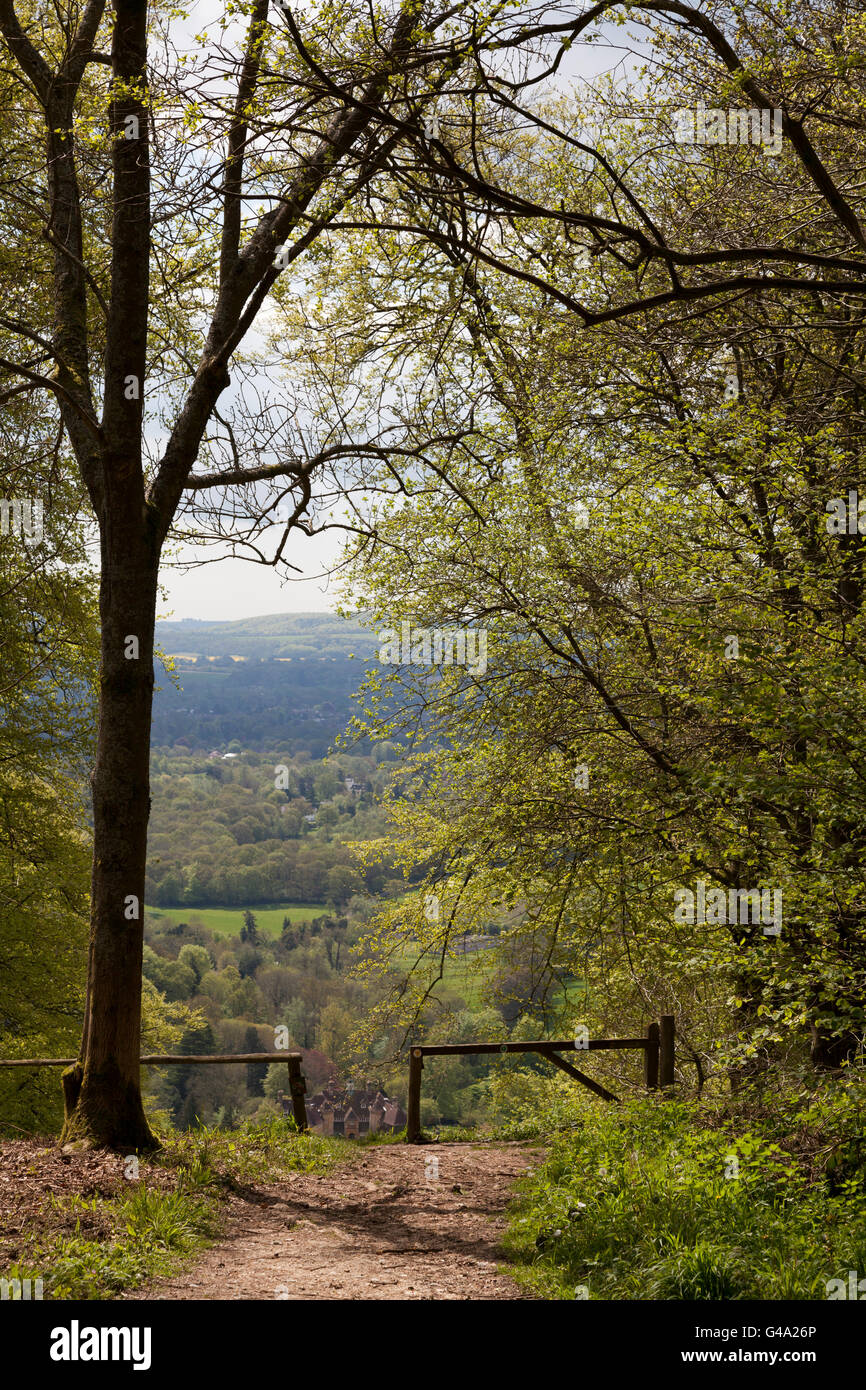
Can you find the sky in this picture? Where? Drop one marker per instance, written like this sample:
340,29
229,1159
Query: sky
228,589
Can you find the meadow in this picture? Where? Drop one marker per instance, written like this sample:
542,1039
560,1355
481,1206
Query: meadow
227,921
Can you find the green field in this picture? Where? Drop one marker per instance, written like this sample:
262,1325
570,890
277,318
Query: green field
227,921
468,976
459,975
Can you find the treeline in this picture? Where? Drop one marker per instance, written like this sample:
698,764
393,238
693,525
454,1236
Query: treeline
261,702
315,636
242,828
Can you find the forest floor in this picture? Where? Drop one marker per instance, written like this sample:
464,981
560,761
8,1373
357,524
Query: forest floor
400,1221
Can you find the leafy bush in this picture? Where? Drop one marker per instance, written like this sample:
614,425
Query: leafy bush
658,1199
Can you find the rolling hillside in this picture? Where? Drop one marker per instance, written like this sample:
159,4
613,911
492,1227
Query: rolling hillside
285,677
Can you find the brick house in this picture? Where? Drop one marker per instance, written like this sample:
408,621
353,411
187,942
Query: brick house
352,1114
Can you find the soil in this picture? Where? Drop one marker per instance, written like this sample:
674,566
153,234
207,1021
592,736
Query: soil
31,1174
403,1222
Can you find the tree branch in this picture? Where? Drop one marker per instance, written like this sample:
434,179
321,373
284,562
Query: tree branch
232,205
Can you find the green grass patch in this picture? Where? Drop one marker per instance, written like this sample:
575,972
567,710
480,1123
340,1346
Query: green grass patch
227,921
464,976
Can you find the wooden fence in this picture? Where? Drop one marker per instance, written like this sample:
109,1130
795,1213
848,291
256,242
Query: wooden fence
297,1084
657,1046
658,1049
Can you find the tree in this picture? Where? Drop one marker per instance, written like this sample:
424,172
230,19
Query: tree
196,958
171,977
47,646
336,1025
256,1071
342,883
610,656
619,516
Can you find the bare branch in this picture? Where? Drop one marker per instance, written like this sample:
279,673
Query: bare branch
231,235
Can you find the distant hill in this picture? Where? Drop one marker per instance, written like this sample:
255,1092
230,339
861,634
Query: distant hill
275,635
294,681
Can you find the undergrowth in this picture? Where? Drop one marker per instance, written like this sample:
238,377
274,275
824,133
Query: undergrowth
665,1199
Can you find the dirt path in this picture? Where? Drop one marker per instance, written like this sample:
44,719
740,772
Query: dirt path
403,1222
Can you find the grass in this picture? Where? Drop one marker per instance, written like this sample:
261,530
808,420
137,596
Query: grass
665,1200
175,1209
227,921
464,976
469,977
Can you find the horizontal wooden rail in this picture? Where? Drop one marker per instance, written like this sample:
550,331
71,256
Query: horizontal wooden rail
569,1045
157,1060
297,1084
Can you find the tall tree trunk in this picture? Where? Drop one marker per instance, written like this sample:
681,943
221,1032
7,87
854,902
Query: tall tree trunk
103,1091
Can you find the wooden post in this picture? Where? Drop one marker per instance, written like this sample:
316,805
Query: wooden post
297,1087
666,1050
413,1117
651,1058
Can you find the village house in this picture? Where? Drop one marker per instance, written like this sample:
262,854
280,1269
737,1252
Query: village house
351,1114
